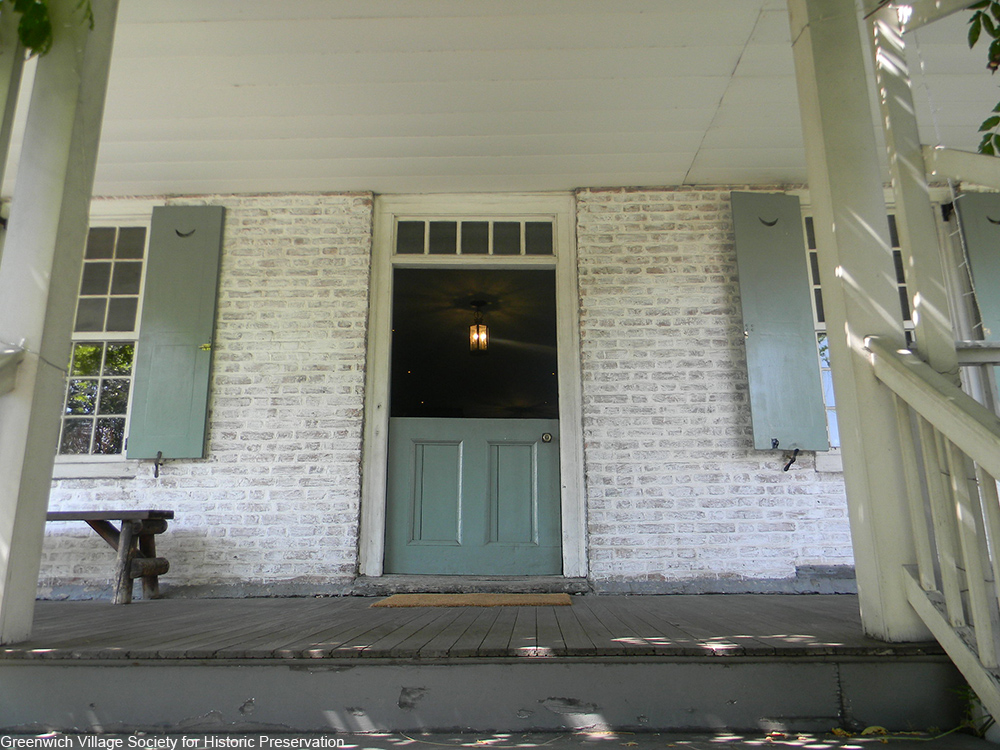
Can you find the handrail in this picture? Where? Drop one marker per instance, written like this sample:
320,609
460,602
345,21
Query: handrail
978,352
964,421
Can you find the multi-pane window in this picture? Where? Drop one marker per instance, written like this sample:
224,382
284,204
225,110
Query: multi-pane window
473,237
819,316
100,372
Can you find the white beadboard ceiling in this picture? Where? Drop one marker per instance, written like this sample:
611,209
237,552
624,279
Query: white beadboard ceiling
401,96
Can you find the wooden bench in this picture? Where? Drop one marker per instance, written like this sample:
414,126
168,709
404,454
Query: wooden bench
135,543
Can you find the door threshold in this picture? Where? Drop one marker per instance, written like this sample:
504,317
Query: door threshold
434,584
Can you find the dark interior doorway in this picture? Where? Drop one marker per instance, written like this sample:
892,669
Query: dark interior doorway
433,372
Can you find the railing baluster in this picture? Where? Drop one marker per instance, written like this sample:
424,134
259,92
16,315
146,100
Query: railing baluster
915,492
990,501
943,517
970,532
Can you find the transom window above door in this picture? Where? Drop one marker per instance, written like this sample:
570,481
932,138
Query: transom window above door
473,237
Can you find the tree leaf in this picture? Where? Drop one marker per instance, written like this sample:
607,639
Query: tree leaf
35,28
980,4
987,148
989,123
995,10
996,108
975,29
990,27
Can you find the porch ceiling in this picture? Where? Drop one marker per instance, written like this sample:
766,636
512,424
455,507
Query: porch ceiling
489,95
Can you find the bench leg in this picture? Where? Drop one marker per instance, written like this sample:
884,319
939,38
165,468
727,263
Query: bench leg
127,550
151,583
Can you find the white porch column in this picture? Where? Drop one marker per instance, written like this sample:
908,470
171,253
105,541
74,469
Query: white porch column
39,274
918,235
860,299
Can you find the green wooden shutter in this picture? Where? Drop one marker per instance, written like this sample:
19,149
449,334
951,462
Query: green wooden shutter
786,395
173,356
980,217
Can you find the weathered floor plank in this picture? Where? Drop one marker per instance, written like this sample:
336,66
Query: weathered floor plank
346,627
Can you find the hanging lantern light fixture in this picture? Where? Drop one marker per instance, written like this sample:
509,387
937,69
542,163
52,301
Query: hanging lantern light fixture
479,332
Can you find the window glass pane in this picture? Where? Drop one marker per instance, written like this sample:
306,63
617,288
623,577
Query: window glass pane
820,313
86,359
824,350
131,242
101,242
443,238
126,278
507,238
814,267
827,377
81,397
475,237
410,237
95,278
114,396
810,233
110,435
538,238
897,260
90,315
121,313
893,232
119,359
76,436
833,428
904,303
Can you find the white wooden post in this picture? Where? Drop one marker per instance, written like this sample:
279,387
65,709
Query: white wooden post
39,276
918,234
860,298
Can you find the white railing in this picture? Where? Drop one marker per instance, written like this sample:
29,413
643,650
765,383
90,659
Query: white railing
951,456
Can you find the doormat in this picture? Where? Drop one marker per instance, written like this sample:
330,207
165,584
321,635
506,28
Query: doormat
475,600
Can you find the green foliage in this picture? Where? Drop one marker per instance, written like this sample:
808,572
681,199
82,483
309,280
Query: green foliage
34,29
986,19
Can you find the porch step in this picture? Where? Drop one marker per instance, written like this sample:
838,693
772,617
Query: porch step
414,584
665,663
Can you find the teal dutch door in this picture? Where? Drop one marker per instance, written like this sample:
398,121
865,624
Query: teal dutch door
474,497
473,471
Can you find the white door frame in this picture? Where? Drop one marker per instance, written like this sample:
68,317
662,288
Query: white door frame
560,208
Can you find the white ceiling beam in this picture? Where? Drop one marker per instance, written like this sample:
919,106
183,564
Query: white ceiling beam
921,12
962,166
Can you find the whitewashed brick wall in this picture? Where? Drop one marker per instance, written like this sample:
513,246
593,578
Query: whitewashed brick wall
677,497
676,492
276,502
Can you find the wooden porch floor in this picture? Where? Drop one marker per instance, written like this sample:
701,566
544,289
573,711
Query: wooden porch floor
348,628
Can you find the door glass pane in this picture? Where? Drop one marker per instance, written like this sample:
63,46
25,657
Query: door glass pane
507,238
443,238
410,238
475,237
538,238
